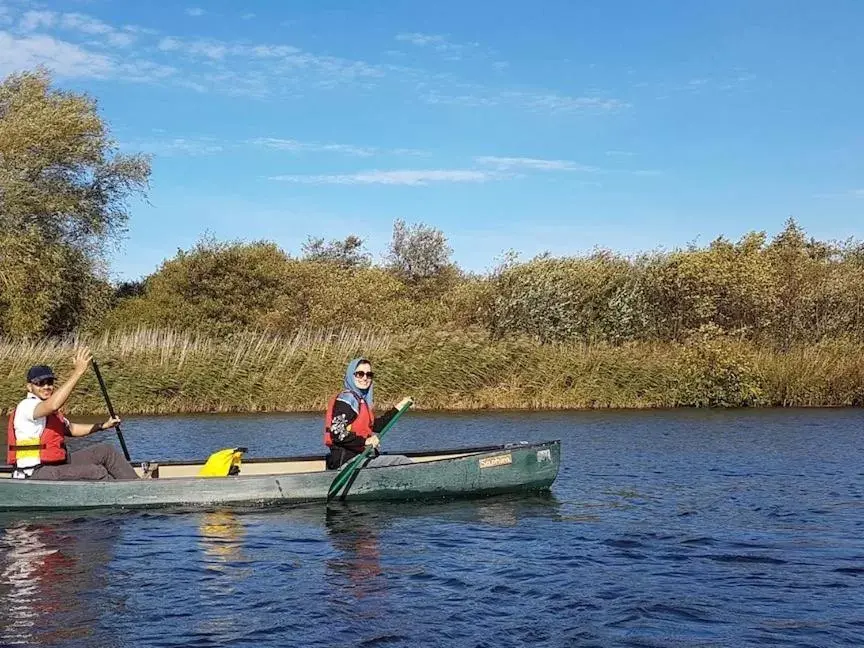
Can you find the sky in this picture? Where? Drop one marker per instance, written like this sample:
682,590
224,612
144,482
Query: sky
553,126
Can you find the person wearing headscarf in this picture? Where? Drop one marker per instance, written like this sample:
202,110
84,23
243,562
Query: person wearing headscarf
350,423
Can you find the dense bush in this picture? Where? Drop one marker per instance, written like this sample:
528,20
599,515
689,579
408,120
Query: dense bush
780,292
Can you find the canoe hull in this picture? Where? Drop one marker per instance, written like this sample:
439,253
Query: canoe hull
511,468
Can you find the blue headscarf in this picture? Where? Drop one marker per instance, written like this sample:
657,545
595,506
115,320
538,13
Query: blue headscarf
352,391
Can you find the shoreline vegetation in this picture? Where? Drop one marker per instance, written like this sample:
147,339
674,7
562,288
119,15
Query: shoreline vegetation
244,326
166,372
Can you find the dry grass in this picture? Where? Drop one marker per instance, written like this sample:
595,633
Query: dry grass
163,371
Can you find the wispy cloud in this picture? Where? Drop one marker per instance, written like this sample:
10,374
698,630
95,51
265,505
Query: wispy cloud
265,69
305,147
438,43
143,71
31,21
195,12
553,102
436,97
70,60
201,48
534,101
496,168
736,79
510,163
164,144
35,19
215,49
484,168
435,41
256,70
524,164
401,177
296,146
88,25
176,146
66,59
259,70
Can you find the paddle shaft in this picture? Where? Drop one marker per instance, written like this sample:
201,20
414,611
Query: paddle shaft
111,409
354,465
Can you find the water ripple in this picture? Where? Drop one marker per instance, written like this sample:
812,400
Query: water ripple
664,529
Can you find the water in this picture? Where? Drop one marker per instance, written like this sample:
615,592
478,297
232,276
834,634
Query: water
679,528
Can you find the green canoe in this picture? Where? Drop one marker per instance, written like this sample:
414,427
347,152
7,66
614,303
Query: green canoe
464,472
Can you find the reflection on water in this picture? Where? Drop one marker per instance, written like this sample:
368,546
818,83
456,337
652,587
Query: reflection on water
498,510
43,568
357,564
221,537
27,560
357,533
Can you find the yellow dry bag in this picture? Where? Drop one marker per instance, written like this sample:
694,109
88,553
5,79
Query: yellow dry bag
223,463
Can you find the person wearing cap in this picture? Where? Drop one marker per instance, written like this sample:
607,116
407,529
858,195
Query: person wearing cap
37,431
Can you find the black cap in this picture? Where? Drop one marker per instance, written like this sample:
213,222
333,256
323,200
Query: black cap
40,372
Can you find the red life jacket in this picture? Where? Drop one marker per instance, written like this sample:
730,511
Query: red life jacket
360,426
51,445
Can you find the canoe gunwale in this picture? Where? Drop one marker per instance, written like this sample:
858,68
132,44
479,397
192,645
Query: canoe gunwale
410,453
7,468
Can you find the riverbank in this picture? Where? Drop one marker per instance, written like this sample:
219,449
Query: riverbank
162,372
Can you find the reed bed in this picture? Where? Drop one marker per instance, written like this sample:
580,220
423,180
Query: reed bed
151,371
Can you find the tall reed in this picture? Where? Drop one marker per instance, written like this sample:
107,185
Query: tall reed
163,371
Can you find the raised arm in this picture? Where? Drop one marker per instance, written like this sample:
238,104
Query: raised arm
56,400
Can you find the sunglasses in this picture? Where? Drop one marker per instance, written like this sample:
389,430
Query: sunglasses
43,382
364,374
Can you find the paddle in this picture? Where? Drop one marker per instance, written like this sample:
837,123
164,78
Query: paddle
350,468
111,409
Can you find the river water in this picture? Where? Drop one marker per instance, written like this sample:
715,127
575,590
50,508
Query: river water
664,528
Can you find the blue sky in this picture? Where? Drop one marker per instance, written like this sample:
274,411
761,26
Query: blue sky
556,125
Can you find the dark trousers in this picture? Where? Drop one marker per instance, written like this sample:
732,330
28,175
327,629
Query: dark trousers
97,462
340,455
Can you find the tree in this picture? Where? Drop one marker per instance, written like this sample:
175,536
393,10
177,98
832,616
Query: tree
217,287
347,254
418,252
63,201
